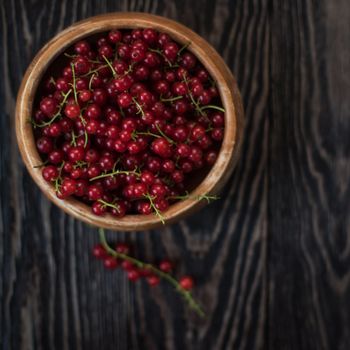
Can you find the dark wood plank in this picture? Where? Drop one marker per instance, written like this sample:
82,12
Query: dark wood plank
53,295
309,189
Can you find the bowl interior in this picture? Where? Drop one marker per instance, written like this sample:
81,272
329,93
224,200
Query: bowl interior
61,61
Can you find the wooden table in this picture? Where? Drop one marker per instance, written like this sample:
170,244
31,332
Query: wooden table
271,258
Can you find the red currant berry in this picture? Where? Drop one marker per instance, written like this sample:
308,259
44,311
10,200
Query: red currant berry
110,263
68,186
162,147
122,248
153,280
166,266
133,275
186,282
72,111
44,144
99,251
50,173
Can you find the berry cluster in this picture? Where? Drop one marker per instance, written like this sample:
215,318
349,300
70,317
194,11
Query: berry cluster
130,119
136,269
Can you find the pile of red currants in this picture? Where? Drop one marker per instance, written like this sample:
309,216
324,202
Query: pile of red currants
132,116
152,274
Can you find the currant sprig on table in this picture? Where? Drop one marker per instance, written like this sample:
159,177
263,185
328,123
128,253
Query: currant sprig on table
137,269
128,122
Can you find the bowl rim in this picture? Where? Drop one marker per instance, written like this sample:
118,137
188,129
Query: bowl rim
227,87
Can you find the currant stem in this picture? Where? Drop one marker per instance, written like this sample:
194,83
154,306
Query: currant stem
39,166
73,142
74,86
213,107
161,53
116,172
184,47
79,164
94,71
86,138
140,264
106,204
59,178
206,197
140,110
165,136
90,81
171,99
153,206
110,65
146,133
69,56
65,97
197,106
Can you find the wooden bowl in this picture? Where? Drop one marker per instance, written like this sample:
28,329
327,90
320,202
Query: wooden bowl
230,96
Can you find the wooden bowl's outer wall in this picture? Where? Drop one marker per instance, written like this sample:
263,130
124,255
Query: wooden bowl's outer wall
228,90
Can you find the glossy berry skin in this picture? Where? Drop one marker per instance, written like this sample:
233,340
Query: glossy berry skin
82,48
50,173
76,154
115,36
170,50
133,275
68,186
127,265
161,147
55,130
124,100
95,192
56,156
166,266
99,252
122,248
186,282
48,106
110,263
44,144
72,111
153,280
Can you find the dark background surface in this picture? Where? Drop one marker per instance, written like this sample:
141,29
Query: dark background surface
271,258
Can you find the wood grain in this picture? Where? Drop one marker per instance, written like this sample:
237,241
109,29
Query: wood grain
309,189
271,258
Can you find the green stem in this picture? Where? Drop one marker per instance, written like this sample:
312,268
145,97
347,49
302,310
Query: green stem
153,206
140,110
171,99
161,53
199,197
213,107
90,81
165,136
86,138
69,56
94,71
79,164
39,166
140,264
57,114
116,172
109,205
74,86
184,47
73,142
147,133
59,178
110,66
